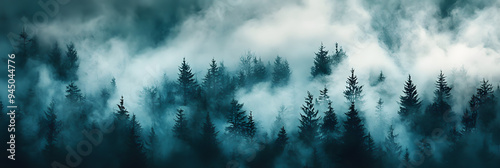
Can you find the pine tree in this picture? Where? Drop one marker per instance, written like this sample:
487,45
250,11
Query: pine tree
281,72
371,147
406,157
187,83
209,145
338,56
122,112
442,92
322,63
486,103
353,92
236,118
409,102
308,129
259,71
250,126
53,127
211,82
136,156
181,126
73,94
209,134
379,108
72,63
353,151
323,95
329,126
434,113
22,49
282,139
392,148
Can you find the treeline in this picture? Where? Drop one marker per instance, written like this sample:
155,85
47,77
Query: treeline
211,128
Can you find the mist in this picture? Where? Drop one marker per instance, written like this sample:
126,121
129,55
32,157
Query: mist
135,51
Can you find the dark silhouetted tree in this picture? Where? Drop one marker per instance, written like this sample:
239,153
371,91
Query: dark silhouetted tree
329,126
250,128
338,56
434,116
281,72
153,153
209,145
187,83
52,128
122,112
353,91
409,103
236,118
135,154
392,148
212,82
73,94
181,126
322,63
259,70
282,139
353,150
308,129
71,64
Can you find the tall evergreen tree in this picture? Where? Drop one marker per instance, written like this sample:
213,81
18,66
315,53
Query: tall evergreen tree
322,63
71,65
181,126
435,113
281,72
282,139
209,145
353,91
250,128
392,148
236,118
323,95
486,104
187,83
409,104
73,94
135,154
212,82
308,129
338,56
259,70
329,126
53,127
381,77
22,49
353,151
122,112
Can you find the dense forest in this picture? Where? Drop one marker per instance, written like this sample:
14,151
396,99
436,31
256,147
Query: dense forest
252,115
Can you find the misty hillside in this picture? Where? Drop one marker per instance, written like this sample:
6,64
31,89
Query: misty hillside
222,83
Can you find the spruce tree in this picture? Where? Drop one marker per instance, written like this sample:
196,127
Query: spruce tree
282,139
486,104
211,82
409,104
209,145
381,77
186,82
322,63
338,56
71,65
323,95
53,127
209,134
308,129
153,153
136,156
259,71
281,72
236,118
434,113
250,128
73,94
392,148
329,126
122,112
353,151
353,91
181,126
